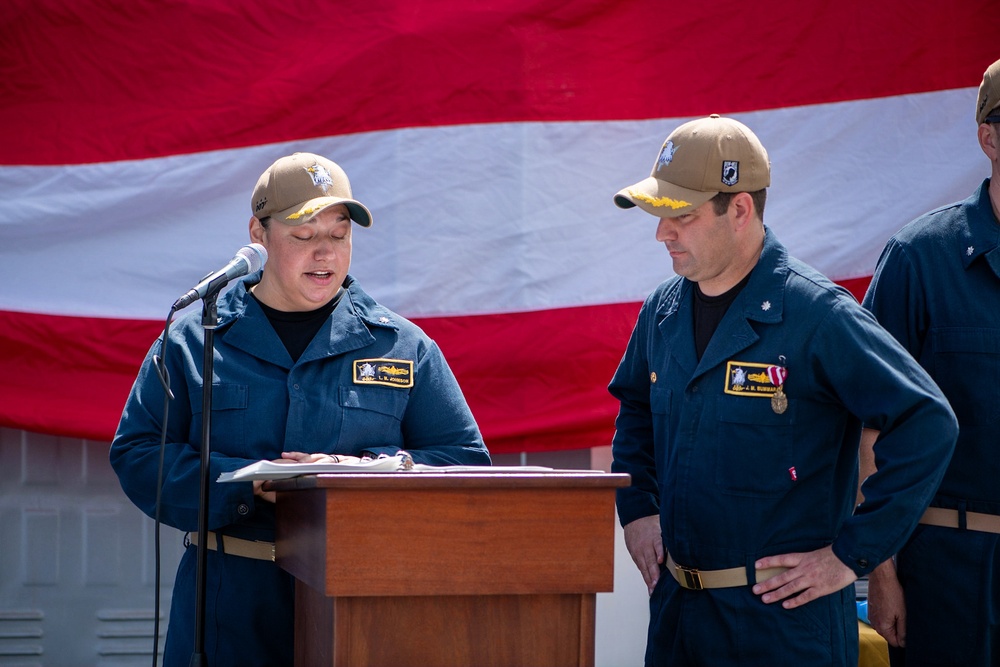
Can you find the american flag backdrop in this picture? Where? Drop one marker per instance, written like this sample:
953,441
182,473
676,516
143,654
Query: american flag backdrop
487,138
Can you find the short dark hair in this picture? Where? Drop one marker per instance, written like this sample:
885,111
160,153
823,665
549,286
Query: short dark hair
720,202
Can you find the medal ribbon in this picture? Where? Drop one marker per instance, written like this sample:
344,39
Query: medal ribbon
777,375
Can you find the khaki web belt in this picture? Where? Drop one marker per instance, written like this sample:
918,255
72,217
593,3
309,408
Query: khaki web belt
235,546
696,580
984,523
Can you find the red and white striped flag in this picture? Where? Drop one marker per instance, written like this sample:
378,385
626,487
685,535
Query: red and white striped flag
487,138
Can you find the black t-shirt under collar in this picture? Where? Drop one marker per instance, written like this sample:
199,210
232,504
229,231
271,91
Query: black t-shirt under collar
297,329
709,311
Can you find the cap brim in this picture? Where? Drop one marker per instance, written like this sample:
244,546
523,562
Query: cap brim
662,199
305,211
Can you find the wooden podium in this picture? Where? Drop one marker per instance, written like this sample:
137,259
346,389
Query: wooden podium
456,568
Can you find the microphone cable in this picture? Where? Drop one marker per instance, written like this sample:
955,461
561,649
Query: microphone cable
160,364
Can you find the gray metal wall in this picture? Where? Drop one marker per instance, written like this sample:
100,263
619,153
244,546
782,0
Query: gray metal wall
76,558
77,568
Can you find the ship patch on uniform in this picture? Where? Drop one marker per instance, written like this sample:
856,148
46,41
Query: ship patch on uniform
387,372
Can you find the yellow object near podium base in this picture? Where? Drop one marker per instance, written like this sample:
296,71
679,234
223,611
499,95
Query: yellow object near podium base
872,648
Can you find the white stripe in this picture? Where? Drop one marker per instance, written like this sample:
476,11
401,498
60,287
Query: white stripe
479,219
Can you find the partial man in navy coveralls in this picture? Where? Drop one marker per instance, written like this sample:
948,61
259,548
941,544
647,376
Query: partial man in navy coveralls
937,289
308,367
743,390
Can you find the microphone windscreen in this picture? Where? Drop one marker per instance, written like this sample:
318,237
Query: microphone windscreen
255,254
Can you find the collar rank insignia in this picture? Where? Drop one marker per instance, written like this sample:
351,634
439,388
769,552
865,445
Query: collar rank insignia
386,372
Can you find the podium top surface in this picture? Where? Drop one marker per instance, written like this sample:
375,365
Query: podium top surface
487,478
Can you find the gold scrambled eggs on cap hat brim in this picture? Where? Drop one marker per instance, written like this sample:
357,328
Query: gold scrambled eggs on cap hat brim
300,213
662,199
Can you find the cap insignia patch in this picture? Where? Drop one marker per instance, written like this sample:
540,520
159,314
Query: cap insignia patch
730,172
386,372
320,176
666,154
659,201
970,250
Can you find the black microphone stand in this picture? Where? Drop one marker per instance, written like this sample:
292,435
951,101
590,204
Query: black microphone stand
209,321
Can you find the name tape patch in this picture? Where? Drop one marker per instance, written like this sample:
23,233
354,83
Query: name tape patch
744,378
388,372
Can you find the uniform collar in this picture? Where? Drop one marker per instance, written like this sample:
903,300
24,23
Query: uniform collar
348,328
982,237
350,325
369,310
763,299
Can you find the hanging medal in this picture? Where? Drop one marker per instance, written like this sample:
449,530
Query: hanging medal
777,376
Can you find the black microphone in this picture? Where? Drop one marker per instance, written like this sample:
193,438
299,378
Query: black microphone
249,259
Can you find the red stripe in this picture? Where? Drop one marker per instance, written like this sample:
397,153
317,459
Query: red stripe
857,286
92,81
68,375
538,380
535,381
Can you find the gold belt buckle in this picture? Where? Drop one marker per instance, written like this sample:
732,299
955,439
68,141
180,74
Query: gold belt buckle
690,578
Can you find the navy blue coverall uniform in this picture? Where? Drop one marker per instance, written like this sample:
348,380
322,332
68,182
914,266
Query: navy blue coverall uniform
733,479
937,290
329,400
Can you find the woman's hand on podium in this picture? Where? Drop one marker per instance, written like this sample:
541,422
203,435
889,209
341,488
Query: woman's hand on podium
299,457
302,457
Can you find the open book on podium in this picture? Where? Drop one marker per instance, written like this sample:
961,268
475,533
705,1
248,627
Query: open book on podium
273,470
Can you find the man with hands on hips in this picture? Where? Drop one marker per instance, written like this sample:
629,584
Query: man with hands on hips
742,392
